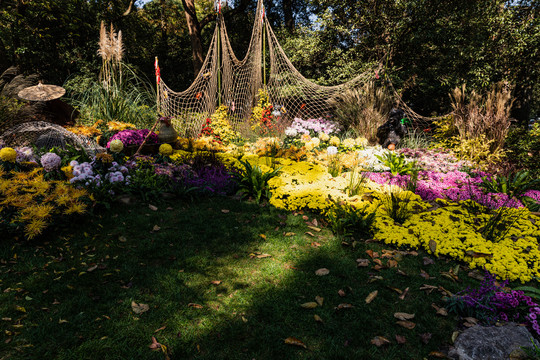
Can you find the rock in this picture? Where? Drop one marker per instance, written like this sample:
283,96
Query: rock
391,132
491,343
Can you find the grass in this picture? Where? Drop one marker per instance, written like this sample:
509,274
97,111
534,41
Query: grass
212,253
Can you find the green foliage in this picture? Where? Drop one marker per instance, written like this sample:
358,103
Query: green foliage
530,291
396,163
501,222
523,148
445,133
396,205
357,182
127,98
514,185
478,151
9,109
346,220
253,181
335,167
415,139
147,184
363,110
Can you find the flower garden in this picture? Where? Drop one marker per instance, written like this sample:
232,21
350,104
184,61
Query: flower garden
451,207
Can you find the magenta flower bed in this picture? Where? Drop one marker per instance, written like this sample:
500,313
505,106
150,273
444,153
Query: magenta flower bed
454,185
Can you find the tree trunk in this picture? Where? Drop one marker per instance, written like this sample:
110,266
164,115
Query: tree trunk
194,28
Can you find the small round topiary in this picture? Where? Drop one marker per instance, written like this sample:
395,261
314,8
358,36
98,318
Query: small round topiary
116,146
165,149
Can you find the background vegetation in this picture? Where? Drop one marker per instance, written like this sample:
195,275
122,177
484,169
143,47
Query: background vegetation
429,47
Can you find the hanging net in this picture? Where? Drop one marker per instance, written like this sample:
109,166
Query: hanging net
224,79
47,135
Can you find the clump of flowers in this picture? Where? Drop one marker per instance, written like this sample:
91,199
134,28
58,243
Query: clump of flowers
494,301
311,127
219,128
30,203
8,154
262,118
50,161
165,149
134,137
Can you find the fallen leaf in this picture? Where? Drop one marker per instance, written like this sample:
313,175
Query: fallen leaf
374,278
475,254
196,306
152,207
475,274
403,316
92,268
6,319
370,253
262,236
154,345
362,262
322,272
396,290
260,256
161,328
438,355
305,218
294,341
225,211
20,309
406,324
425,275
8,340
344,306
310,233
289,234
319,300
401,339
428,288
315,244
309,305
378,262
372,295
62,321
317,318
314,228
401,272
215,282
139,308
440,310
122,239
425,337
156,228
455,334
432,246
391,263
405,292
341,293
428,261
380,341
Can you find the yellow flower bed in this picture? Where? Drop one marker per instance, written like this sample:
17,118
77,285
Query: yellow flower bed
29,201
455,231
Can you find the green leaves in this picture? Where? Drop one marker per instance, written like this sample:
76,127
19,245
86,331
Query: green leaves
253,181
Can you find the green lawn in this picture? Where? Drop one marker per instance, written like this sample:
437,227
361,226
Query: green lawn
223,280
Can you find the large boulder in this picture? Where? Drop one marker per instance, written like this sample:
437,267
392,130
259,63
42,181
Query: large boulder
492,343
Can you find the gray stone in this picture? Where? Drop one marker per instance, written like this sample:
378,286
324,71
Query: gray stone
491,343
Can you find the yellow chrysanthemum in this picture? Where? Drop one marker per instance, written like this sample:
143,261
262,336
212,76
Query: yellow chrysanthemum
8,154
334,141
75,208
34,228
165,149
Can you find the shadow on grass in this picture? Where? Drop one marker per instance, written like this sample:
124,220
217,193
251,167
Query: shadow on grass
223,280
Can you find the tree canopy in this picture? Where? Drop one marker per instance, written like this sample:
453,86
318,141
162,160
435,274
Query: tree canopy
427,47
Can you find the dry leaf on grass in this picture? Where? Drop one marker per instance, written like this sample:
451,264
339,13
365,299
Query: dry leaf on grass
196,306
225,211
344,306
438,355
425,337
294,341
362,262
372,295
152,207
319,300
406,324
380,341
309,305
440,310
403,316
314,228
215,282
432,246
322,272
405,292
262,236
156,228
341,293
318,318
401,339
139,308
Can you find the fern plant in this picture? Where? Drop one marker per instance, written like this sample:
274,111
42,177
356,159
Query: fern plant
253,181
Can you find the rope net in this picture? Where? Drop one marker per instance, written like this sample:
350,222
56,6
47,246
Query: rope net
226,80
